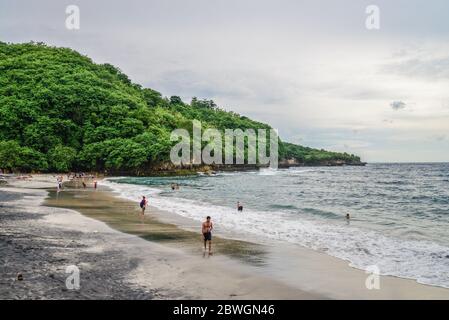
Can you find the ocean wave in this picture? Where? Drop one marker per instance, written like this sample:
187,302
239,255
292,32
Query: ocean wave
300,171
322,213
268,172
394,182
283,206
422,260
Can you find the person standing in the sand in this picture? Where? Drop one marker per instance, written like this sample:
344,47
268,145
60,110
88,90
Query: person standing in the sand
206,229
59,180
143,204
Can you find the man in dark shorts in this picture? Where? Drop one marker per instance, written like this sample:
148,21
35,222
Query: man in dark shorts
206,229
239,206
143,205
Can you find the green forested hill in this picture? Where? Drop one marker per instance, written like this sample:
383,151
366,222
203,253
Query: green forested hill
59,111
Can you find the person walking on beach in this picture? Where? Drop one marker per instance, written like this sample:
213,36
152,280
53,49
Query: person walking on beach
95,184
59,182
239,206
143,205
206,229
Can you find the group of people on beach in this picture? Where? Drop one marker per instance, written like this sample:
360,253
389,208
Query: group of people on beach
77,177
80,175
206,227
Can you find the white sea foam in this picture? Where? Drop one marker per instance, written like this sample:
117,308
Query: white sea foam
424,261
268,172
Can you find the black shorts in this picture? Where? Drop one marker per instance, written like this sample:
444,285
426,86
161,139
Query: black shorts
207,236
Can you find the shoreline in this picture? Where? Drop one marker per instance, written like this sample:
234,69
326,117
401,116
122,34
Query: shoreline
261,224
176,265
165,170
142,269
321,273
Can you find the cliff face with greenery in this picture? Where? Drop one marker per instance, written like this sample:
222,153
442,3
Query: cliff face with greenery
59,111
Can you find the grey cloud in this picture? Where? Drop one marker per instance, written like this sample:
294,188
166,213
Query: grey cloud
248,86
398,105
430,69
268,60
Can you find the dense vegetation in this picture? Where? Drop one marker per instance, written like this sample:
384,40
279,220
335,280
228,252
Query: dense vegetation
59,111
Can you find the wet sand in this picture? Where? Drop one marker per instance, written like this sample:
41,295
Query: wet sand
124,215
162,256
40,252
291,265
114,264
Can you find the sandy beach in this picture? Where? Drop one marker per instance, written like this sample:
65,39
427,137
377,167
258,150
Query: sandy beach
40,242
121,256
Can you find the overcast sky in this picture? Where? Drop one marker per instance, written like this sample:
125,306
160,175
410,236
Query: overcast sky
309,68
